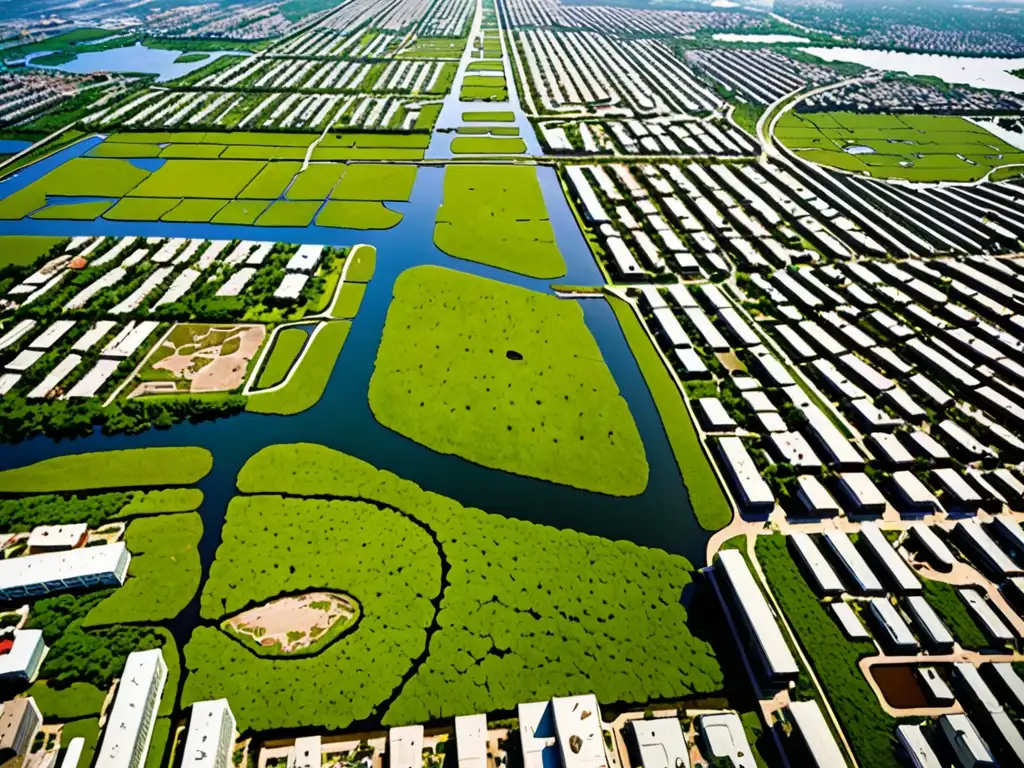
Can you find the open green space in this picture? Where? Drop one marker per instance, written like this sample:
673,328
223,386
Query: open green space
487,145
61,42
870,731
527,611
189,58
707,499
86,728
193,210
288,213
349,300
375,182
191,151
483,88
240,212
163,575
495,215
487,130
162,502
271,182
505,377
79,177
22,250
208,178
73,211
954,614
357,214
308,381
140,209
70,703
363,260
489,117
130,468
485,66
112,149
435,47
287,345
924,148
316,182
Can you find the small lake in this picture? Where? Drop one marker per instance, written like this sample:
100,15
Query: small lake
858,149
978,72
135,58
732,37
13,146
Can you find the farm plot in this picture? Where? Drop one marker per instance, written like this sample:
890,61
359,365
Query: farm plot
507,378
925,148
201,358
496,215
80,177
218,179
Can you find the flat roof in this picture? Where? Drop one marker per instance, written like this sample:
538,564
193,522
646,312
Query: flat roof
794,448
661,743
850,622
917,747
985,546
1011,681
18,660
839,448
307,752
578,724
971,677
725,738
405,746
66,536
471,740
954,484
862,488
897,567
537,735
913,491
715,414
144,672
826,578
937,687
29,570
986,614
964,738
928,620
758,612
204,733
815,496
893,624
856,566
745,472
807,717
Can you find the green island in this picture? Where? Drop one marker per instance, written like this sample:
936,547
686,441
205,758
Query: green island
507,378
130,468
288,343
495,215
500,639
189,58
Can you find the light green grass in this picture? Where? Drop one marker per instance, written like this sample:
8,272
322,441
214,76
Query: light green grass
349,299
89,730
272,181
356,214
163,575
327,153
496,215
79,177
316,182
288,213
73,211
240,212
113,149
364,262
195,210
189,58
222,179
308,382
487,145
921,148
376,182
485,66
22,250
167,500
75,701
140,209
443,377
287,345
192,151
706,496
131,468
488,117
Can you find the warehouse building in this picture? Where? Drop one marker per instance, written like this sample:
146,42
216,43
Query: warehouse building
913,495
916,747
815,498
211,735
405,747
53,538
968,747
986,617
130,722
934,632
860,495
849,622
810,726
21,654
892,626
724,739
752,491
34,575
853,563
899,573
824,578
935,687
938,554
19,723
980,547
471,740
537,735
660,743
578,730
753,609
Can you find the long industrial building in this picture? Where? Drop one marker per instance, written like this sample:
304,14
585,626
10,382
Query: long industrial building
34,575
211,735
131,720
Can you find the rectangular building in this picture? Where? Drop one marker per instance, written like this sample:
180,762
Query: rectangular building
19,723
853,563
23,657
578,729
753,493
980,547
471,740
405,747
660,743
826,580
916,747
211,735
935,633
537,735
813,730
969,749
34,575
986,616
131,719
900,574
892,626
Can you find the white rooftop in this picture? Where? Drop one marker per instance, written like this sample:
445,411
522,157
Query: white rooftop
54,536
661,743
127,715
471,740
578,723
405,746
58,566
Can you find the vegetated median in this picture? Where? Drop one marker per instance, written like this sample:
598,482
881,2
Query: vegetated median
496,215
550,614
707,499
505,377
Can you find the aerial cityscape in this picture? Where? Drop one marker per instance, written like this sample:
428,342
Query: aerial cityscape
511,384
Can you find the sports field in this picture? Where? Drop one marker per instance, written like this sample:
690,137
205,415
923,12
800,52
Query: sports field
925,148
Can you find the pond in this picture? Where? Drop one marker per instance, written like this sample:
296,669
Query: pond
13,146
858,149
978,72
135,58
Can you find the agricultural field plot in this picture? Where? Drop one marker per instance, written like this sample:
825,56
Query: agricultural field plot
496,215
507,378
201,358
913,147
80,177
547,617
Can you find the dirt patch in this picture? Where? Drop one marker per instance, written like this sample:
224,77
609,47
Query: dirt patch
296,622
202,358
899,686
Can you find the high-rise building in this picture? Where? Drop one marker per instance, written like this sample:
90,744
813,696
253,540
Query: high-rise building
211,735
130,725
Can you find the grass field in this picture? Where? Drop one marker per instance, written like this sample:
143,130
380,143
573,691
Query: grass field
192,151
364,263
73,211
271,182
316,182
112,149
196,210
486,145
357,214
706,496
288,213
140,209
287,345
349,300
21,250
505,377
240,212
207,178
376,182
496,215
488,117
485,66
923,148
132,468
79,177
307,383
